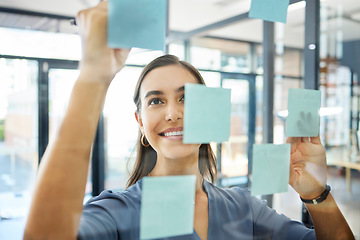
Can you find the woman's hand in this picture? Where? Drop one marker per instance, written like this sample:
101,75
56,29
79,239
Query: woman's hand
308,169
98,60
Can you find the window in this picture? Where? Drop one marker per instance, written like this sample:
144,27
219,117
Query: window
18,135
121,128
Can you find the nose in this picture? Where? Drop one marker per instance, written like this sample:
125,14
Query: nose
174,112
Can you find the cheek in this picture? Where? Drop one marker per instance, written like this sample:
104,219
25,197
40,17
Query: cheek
150,120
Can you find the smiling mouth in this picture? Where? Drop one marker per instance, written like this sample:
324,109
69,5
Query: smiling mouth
172,134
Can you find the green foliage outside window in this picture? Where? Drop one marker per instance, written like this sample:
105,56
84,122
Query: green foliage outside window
2,127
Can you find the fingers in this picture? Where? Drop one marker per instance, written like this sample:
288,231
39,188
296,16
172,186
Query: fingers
103,4
93,12
315,140
292,175
121,56
293,139
305,139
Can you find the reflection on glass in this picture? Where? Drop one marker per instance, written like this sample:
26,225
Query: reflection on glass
335,89
281,93
204,58
212,79
121,128
40,44
61,82
288,61
234,158
138,56
259,108
18,135
177,49
221,54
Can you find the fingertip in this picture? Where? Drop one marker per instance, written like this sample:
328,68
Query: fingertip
315,139
292,139
305,139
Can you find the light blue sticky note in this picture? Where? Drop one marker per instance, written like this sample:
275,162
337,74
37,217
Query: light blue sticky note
167,206
137,23
206,114
269,10
270,170
303,119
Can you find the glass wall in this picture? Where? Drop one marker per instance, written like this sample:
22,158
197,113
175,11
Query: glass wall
213,56
339,85
220,57
61,82
340,58
288,71
234,158
18,135
221,54
121,128
39,44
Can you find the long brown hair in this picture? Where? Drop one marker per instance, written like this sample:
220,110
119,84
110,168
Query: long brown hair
146,156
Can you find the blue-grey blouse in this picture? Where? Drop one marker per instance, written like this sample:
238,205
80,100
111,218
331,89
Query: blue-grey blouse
233,214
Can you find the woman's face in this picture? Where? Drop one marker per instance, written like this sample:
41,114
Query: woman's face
162,111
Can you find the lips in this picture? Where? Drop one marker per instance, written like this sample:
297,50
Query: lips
172,132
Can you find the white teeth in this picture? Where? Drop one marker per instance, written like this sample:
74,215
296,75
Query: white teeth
178,133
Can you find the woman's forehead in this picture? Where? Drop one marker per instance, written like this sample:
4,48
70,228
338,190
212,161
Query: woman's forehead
167,78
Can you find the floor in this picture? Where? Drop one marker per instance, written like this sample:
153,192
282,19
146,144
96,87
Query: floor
348,202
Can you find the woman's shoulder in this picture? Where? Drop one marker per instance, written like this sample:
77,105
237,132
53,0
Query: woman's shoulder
112,212
237,192
239,196
131,195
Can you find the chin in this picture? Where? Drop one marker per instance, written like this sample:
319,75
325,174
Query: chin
183,151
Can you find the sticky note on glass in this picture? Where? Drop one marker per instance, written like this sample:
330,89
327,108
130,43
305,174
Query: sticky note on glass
269,10
167,206
207,114
303,119
270,170
137,23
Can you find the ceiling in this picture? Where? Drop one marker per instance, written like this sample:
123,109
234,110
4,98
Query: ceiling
340,18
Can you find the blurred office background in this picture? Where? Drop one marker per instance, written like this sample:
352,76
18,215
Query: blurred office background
39,54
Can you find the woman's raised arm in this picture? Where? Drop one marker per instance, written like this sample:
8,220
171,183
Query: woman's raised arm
58,197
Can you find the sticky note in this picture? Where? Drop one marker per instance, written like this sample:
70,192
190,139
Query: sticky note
303,119
167,206
207,114
269,10
137,23
270,171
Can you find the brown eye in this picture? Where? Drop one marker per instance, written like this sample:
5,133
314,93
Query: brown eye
182,99
155,101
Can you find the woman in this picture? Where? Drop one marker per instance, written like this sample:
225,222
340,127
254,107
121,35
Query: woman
57,211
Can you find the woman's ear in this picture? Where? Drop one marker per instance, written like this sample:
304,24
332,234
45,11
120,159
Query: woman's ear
138,118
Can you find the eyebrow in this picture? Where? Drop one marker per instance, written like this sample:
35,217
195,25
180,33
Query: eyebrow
157,92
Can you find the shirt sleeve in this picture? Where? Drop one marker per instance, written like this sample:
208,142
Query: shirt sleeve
268,224
96,223
111,216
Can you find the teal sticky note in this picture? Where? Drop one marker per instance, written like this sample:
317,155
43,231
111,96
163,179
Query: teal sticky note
303,119
167,206
269,10
207,114
270,170
137,23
